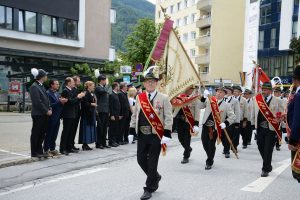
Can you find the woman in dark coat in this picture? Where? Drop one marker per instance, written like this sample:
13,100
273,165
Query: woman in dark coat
87,131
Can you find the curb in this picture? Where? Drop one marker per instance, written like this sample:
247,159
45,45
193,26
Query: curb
16,162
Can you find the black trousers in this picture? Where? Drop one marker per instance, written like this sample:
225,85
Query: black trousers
266,141
51,135
224,139
38,132
184,137
66,135
102,125
235,133
246,133
74,131
127,126
114,131
148,150
277,141
209,145
123,130
295,175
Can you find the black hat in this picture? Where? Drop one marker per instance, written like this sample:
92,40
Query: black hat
267,85
247,91
130,85
229,88
102,77
138,86
221,88
296,74
277,89
42,73
237,88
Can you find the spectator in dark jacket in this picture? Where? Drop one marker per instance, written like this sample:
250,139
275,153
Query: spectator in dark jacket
125,113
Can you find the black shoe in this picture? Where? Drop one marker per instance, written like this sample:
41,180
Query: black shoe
86,147
184,161
64,152
99,147
278,148
208,167
249,143
73,151
244,147
264,174
47,155
114,145
157,182
125,142
227,155
107,146
146,195
37,155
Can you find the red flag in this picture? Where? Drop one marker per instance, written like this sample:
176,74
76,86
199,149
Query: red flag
262,77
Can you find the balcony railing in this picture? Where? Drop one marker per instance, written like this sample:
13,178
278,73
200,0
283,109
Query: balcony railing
203,22
203,40
204,5
202,59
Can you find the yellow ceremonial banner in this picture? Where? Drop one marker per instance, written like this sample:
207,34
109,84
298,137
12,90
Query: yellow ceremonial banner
176,69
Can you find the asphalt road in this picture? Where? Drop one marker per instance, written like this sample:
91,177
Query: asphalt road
115,175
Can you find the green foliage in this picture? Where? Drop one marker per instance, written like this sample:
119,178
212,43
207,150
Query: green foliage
140,42
295,47
82,69
128,13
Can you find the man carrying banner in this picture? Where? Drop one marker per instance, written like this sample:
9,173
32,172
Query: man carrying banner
187,122
246,130
293,119
212,124
267,114
152,119
234,128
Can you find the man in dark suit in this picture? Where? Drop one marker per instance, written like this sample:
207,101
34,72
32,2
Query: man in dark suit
293,119
125,113
102,95
75,91
69,115
56,103
114,113
40,113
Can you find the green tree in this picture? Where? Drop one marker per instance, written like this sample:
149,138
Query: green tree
295,47
140,42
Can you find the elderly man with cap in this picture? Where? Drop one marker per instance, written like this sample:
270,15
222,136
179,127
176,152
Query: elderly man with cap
267,117
40,113
247,126
187,126
102,95
152,121
233,129
212,126
293,119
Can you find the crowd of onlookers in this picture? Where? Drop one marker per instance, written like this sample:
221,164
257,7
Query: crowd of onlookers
101,112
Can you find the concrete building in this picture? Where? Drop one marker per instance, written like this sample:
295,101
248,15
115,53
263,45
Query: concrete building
184,13
53,35
221,40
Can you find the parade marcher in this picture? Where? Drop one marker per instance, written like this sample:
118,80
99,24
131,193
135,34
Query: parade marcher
267,114
277,93
185,126
87,128
114,116
233,129
212,126
76,91
246,130
102,95
152,107
132,92
69,115
56,103
293,119
40,113
139,89
125,113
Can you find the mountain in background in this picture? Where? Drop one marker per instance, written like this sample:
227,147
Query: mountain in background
128,13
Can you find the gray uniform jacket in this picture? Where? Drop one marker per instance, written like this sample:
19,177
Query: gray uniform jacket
235,105
39,99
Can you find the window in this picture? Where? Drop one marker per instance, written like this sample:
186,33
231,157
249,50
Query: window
185,20
185,37
261,40
186,3
265,15
46,24
273,38
54,26
172,9
69,29
178,22
159,14
294,29
178,6
5,17
192,52
193,18
30,22
193,35
21,20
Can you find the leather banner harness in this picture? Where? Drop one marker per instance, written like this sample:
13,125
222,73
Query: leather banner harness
152,118
264,109
215,112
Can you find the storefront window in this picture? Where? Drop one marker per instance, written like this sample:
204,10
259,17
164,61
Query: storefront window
30,22
46,25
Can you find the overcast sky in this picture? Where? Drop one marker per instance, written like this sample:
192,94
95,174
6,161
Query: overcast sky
152,1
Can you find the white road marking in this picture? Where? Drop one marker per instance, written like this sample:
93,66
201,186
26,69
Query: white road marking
13,153
262,183
54,180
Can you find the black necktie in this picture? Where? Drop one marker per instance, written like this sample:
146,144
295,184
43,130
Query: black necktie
266,99
149,96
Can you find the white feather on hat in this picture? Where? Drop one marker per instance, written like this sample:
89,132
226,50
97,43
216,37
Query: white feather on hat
34,72
153,69
97,73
